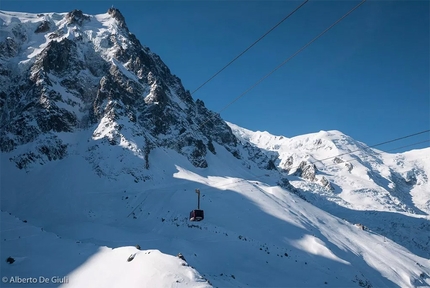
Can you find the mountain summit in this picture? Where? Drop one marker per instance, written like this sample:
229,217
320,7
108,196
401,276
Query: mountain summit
67,72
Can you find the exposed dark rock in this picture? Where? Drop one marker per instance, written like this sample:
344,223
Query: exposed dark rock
213,126
326,184
211,147
43,27
9,48
349,166
52,149
72,86
58,56
180,256
115,13
53,35
19,33
54,152
58,120
131,257
147,150
306,171
21,161
284,183
271,165
77,17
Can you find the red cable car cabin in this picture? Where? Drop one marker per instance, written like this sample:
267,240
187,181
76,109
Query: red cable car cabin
197,214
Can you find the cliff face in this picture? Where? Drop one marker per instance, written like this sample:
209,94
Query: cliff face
69,72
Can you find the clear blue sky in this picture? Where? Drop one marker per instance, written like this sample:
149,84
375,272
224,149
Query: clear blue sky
367,77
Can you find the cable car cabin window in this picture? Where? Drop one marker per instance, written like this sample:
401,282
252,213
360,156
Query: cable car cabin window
197,215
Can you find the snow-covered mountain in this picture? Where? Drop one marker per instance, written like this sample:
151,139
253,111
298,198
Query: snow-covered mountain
352,181
102,149
62,73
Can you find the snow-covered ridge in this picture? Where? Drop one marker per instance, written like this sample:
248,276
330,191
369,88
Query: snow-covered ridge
350,164
338,172
87,70
263,140
31,33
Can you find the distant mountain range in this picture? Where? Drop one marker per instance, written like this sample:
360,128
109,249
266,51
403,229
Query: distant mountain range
102,146
339,174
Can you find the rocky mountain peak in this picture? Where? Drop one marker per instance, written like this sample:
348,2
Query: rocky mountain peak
77,17
109,85
115,13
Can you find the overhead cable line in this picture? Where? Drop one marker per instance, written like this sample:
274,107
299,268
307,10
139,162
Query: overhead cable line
347,153
283,63
237,57
292,56
259,177
329,165
244,51
228,64
410,145
397,148
258,82
375,145
371,146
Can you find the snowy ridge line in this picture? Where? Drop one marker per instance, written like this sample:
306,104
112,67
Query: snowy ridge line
381,183
376,145
96,30
371,146
356,159
409,145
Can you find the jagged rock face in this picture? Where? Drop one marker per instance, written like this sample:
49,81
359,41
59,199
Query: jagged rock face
306,171
76,17
43,27
337,160
326,184
79,78
9,48
118,16
289,161
309,171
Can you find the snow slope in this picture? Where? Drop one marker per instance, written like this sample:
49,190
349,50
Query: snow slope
43,259
250,225
354,169
365,183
